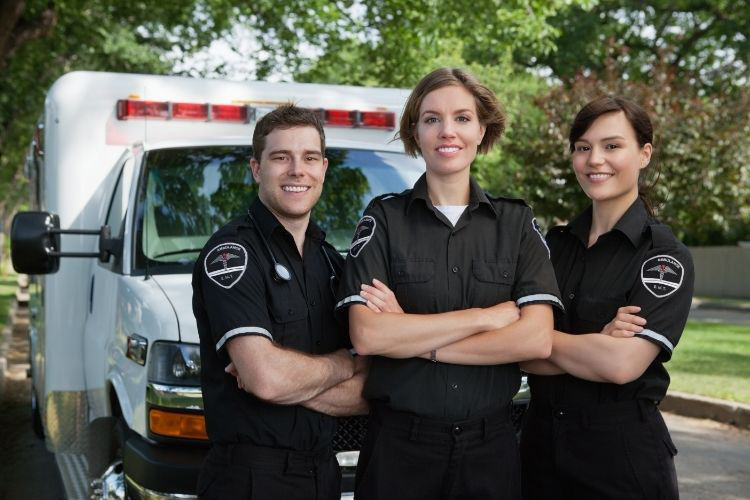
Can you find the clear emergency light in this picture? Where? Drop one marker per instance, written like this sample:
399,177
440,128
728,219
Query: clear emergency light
128,109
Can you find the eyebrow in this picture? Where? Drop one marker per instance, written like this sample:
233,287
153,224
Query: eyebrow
288,152
467,110
610,138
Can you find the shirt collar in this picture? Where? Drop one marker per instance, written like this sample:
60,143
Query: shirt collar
477,196
269,224
631,224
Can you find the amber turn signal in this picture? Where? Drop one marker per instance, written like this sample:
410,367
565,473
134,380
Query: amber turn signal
177,425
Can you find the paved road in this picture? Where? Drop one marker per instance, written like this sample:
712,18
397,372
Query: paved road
709,315
713,462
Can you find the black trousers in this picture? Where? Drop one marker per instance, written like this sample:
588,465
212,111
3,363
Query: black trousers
241,471
409,457
616,450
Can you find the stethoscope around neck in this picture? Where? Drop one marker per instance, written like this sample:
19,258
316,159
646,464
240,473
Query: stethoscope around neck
279,272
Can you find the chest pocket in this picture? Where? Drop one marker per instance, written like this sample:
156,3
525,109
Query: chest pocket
414,285
289,316
493,282
593,312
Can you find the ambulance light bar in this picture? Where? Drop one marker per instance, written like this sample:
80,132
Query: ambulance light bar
128,109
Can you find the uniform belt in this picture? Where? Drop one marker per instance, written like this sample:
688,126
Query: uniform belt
611,411
416,425
249,455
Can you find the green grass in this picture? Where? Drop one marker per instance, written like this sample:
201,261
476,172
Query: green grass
713,360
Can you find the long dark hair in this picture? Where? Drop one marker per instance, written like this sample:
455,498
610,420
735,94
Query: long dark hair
639,120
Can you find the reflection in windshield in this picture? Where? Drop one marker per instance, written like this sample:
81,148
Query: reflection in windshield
189,193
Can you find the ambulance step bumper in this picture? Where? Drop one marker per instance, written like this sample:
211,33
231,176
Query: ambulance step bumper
161,471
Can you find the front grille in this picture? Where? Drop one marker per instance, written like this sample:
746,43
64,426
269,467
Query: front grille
351,430
350,434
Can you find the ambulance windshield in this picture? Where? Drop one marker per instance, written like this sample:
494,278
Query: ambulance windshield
188,193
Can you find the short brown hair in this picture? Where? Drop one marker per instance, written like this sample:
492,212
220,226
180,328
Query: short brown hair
489,110
283,117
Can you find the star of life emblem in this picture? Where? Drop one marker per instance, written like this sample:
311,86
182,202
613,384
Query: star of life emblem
662,275
225,264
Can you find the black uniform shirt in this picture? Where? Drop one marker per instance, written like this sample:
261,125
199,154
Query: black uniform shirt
640,263
494,253
235,294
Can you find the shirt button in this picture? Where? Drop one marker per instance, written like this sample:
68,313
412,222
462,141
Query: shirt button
454,386
571,296
455,269
505,274
312,302
290,312
457,430
317,343
559,414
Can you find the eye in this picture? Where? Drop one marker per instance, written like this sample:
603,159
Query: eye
279,157
581,148
431,119
612,146
463,118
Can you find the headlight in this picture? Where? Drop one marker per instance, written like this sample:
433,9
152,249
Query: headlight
175,363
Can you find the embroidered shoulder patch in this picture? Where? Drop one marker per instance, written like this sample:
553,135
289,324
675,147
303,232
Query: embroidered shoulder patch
225,264
662,275
362,235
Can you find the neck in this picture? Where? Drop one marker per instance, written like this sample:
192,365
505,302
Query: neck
450,189
606,213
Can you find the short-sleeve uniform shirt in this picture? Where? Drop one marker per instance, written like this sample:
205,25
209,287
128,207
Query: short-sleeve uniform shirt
640,263
235,294
495,253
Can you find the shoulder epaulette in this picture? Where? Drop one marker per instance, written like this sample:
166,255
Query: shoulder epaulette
662,235
503,198
386,196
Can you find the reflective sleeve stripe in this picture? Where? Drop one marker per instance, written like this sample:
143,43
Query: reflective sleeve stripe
351,298
658,337
540,297
243,330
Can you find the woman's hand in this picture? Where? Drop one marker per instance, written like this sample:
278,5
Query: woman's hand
380,298
625,323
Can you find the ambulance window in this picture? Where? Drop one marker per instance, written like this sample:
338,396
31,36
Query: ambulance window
115,213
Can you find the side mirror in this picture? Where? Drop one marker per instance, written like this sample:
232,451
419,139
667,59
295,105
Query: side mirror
34,242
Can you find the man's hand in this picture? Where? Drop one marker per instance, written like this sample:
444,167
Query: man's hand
625,323
501,315
380,298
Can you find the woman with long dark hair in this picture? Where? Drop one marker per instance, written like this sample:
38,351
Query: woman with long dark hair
593,429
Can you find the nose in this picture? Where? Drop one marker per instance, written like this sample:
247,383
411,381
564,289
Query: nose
295,167
446,129
596,156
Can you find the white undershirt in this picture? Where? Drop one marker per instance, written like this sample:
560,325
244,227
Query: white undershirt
452,212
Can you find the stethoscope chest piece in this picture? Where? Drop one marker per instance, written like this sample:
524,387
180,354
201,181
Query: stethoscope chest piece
281,272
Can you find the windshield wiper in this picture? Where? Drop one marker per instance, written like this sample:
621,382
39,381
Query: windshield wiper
177,252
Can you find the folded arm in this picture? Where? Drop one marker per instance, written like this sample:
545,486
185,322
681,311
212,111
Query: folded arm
285,376
345,398
527,338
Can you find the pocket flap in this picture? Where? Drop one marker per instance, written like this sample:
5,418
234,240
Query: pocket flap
413,271
493,272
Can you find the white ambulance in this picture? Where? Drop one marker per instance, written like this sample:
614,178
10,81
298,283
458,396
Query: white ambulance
131,174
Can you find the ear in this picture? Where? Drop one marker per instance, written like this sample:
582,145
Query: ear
325,166
482,130
255,168
646,151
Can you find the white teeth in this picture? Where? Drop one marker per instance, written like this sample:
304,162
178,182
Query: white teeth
599,177
448,150
295,189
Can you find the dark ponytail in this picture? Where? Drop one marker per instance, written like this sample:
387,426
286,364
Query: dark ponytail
639,120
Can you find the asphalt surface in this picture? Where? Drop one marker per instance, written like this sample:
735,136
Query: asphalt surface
712,315
713,459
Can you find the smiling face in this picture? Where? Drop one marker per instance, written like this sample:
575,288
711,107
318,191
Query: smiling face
448,132
607,160
291,172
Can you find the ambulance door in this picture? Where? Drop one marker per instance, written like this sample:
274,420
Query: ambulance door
101,324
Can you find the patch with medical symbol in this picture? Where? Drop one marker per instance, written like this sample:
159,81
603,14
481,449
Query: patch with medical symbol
362,235
225,264
662,275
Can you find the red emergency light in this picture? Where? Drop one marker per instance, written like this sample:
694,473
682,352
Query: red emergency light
128,109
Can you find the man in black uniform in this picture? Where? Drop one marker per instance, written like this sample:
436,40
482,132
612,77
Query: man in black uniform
263,300
444,374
